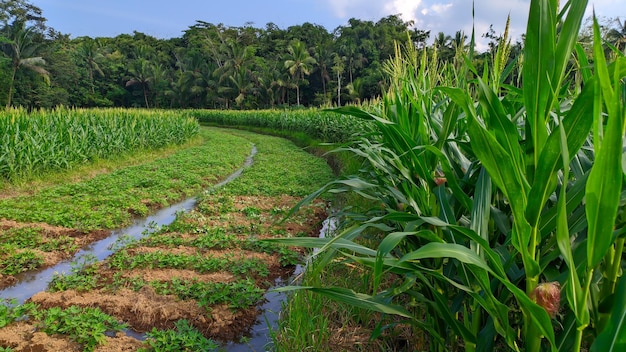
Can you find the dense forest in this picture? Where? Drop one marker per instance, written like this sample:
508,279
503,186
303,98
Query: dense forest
212,65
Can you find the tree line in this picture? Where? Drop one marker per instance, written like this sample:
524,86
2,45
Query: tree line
210,65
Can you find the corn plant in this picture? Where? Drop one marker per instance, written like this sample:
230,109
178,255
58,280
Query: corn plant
314,123
490,202
59,139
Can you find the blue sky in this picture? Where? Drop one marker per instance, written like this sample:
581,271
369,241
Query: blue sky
167,18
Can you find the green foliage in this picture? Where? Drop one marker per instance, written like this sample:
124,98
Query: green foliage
15,262
315,124
10,311
184,337
480,194
60,139
299,172
86,326
83,277
237,294
201,263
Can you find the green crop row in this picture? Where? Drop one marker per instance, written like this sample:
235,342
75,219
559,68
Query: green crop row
38,141
315,123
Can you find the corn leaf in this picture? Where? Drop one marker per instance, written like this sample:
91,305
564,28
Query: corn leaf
576,124
605,180
613,337
352,298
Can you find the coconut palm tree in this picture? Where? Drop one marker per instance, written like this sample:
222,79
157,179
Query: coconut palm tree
140,73
338,68
21,48
299,63
323,57
89,51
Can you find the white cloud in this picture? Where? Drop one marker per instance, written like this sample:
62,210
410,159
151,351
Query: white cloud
449,16
406,8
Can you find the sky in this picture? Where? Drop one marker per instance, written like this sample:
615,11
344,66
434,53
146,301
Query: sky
167,18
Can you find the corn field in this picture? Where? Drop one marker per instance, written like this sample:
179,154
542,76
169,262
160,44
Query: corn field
493,204
35,142
322,125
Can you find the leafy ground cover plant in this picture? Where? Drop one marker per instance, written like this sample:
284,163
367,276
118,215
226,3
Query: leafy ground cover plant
86,326
312,124
18,261
184,337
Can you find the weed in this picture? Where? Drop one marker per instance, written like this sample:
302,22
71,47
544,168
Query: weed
86,326
83,277
238,294
184,337
21,261
122,241
251,212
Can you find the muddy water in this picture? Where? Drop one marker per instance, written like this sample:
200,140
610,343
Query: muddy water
32,282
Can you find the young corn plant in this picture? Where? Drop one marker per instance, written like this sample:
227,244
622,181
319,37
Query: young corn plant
491,202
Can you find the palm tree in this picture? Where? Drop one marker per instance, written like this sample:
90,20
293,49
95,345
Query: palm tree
442,40
443,45
242,85
20,47
322,55
89,51
458,42
338,68
140,74
299,63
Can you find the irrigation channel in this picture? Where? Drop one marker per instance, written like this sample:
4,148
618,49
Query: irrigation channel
30,283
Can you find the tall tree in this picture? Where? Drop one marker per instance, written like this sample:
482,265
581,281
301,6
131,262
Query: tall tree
140,74
339,66
299,63
324,59
89,51
12,11
22,49
616,35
